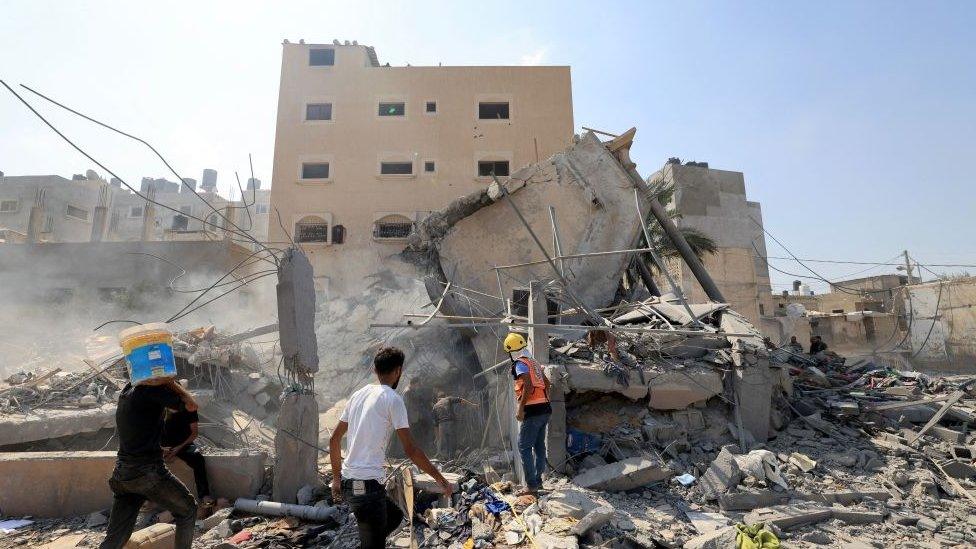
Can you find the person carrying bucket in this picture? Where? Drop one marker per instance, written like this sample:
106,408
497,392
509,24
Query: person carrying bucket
140,473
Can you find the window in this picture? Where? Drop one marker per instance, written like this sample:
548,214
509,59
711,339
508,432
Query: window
135,211
392,109
392,226
487,168
429,166
321,57
493,111
396,168
77,213
261,209
213,222
318,111
431,107
9,205
315,170
180,223
312,228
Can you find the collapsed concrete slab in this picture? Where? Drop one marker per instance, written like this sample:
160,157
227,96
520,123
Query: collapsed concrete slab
623,475
61,484
591,377
680,388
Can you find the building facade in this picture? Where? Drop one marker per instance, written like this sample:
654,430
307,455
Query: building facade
714,202
72,210
362,151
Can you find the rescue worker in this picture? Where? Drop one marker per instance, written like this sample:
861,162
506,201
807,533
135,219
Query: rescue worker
533,409
446,418
794,345
817,345
140,473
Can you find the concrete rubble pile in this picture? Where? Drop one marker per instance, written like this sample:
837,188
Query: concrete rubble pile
674,424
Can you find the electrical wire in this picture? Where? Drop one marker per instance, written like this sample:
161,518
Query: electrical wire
879,264
153,149
112,173
209,301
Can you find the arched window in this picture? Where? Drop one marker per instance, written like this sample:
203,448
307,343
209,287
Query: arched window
312,228
392,227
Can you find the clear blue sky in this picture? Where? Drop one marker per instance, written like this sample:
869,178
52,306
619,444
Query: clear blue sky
854,122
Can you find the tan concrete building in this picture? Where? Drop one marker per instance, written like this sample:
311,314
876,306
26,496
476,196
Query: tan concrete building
715,203
363,150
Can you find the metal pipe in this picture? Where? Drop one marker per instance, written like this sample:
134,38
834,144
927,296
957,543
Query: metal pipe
660,263
659,213
565,283
574,327
573,256
555,241
645,275
276,509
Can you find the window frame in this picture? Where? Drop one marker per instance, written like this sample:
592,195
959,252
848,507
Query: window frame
328,171
142,210
318,103
313,49
67,213
494,162
379,106
427,104
396,163
15,209
392,218
433,163
508,108
326,219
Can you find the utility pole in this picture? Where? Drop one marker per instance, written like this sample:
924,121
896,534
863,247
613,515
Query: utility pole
908,267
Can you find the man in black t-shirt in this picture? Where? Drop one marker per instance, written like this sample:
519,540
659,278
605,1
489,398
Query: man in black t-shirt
179,432
140,473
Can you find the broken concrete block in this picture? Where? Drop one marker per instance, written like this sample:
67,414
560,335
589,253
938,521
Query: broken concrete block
544,540
157,536
803,462
262,399
257,385
591,461
623,475
680,388
590,377
958,469
593,520
747,501
856,516
946,434
569,502
788,517
722,538
926,523
707,522
722,474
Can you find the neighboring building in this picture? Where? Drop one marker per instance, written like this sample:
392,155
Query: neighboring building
714,202
64,207
67,210
879,288
942,321
362,151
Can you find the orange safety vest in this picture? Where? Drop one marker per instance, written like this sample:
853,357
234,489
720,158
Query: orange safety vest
538,378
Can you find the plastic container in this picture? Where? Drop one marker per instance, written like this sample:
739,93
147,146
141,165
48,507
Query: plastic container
148,350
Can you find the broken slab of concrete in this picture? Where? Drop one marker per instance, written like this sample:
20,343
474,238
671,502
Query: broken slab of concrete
722,474
623,475
788,517
749,500
60,484
593,520
679,388
157,536
590,377
571,502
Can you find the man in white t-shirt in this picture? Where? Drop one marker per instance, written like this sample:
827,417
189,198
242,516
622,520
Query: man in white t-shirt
370,417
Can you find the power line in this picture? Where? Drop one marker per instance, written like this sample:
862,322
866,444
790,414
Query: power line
879,264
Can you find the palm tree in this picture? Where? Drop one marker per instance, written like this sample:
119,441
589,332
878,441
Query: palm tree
701,244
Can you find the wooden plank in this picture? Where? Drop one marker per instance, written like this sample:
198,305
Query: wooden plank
953,398
904,404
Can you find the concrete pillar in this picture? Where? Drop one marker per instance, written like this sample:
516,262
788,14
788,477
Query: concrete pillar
753,391
35,222
99,221
296,455
229,220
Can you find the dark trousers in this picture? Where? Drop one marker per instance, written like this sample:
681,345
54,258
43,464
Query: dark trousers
376,515
446,431
192,456
132,485
532,440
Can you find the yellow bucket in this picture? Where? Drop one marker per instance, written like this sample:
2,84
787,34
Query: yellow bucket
148,350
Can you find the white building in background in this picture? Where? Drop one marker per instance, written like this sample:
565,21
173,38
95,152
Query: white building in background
67,210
